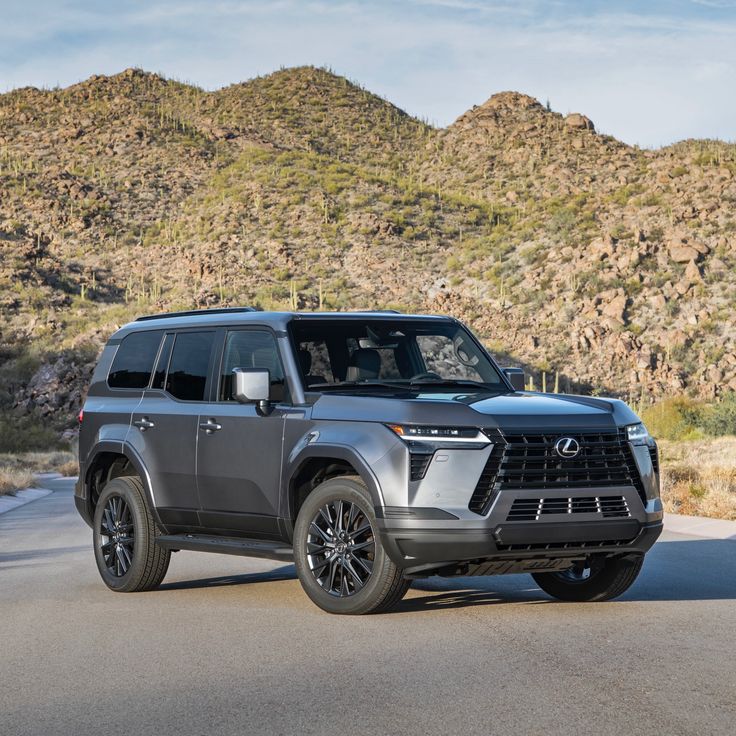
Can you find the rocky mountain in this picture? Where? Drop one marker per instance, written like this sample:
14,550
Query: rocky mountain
569,252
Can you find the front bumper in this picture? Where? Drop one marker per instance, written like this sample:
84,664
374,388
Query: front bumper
427,550
423,541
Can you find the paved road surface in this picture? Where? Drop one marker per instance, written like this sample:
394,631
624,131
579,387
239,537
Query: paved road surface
230,645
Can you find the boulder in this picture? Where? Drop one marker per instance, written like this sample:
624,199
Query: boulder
692,273
616,308
683,253
576,121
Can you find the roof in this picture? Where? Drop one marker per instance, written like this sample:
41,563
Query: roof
247,315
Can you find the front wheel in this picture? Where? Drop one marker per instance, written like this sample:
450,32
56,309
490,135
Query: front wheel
340,561
124,536
593,579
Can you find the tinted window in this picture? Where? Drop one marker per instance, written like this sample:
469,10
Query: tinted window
134,359
251,349
409,352
159,376
188,367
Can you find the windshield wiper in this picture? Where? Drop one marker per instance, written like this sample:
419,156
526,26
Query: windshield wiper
359,384
453,382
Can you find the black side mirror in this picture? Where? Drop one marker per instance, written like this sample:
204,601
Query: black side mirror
516,378
252,385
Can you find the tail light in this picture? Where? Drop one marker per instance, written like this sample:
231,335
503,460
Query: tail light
81,416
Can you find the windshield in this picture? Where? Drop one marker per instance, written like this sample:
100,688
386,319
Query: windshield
409,354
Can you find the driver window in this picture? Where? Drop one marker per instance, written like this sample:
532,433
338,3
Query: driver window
251,349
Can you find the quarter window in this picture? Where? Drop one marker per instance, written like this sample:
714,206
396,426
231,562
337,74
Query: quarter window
190,361
133,362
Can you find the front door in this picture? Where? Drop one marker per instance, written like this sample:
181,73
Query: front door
238,450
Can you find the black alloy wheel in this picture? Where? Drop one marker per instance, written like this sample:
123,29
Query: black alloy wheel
338,551
117,536
581,571
341,548
124,538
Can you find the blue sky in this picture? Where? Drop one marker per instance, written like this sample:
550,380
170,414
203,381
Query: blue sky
648,72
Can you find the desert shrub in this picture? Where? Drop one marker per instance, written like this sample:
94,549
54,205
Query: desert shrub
672,419
23,434
720,418
699,477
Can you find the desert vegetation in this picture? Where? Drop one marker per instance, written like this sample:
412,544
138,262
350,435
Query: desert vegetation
18,469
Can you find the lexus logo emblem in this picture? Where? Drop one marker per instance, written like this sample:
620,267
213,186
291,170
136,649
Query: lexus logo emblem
567,447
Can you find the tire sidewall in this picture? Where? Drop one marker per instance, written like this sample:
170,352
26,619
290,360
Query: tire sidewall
141,524
362,601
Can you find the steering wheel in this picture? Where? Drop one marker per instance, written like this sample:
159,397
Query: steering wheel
428,376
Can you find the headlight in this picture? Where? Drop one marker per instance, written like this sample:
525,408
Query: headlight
637,434
414,433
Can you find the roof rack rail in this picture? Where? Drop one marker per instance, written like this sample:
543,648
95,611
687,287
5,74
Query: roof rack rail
381,311
194,312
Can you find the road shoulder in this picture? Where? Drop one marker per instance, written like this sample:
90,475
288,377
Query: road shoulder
700,526
21,498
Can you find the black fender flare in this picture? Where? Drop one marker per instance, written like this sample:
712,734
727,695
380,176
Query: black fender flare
346,453
120,447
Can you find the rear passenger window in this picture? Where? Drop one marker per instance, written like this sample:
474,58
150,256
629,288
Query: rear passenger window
190,360
133,362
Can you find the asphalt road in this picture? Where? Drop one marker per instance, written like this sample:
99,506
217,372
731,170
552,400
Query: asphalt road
230,645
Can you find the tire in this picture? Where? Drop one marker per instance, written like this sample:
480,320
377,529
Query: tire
340,561
596,579
128,558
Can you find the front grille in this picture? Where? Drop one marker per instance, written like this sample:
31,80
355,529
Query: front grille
532,509
527,460
561,545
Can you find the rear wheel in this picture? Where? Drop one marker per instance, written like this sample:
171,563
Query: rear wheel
593,579
341,563
127,556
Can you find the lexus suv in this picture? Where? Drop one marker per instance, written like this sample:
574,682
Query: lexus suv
368,448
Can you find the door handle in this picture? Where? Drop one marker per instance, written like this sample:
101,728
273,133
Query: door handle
144,423
210,426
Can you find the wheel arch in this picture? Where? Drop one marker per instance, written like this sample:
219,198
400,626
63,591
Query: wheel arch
317,463
108,460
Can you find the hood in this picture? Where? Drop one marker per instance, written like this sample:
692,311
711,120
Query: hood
520,410
535,410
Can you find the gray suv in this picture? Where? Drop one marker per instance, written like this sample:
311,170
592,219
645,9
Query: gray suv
368,448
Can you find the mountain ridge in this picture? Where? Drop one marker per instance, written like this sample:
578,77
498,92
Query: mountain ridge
569,251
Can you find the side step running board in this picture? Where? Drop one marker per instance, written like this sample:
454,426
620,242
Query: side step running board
228,546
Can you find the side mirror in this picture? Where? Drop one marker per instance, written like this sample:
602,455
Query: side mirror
516,378
252,385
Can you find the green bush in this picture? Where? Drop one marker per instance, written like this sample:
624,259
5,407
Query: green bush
672,419
719,419
25,434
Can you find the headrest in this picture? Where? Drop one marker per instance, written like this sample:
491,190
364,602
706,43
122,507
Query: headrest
364,363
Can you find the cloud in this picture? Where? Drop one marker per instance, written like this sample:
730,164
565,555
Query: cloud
649,75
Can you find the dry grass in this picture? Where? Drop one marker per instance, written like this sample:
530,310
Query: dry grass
699,477
14,479
17,470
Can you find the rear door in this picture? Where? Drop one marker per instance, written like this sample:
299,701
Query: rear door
165,423
239,451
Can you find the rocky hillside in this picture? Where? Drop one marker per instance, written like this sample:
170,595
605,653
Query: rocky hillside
568,251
